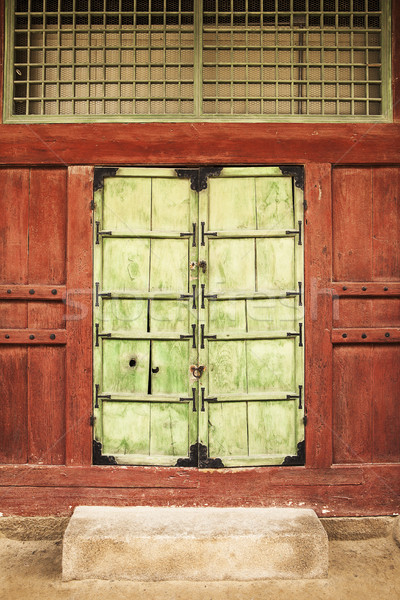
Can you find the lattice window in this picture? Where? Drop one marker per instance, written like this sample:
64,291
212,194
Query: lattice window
187,60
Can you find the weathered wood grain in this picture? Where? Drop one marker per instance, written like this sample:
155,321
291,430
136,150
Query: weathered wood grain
352,397
385,404
46,405
386,224
14,413
47,225
14,205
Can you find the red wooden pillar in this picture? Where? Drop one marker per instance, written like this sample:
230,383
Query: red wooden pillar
79,317
318,316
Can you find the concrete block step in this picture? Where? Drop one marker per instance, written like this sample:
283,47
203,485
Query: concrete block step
195,544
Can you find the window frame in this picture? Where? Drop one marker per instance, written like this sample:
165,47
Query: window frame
387,92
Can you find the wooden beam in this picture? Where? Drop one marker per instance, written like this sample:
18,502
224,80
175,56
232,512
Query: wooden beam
33,336
33,292
339,491
396,60
79,317
318,315
199,143
366,335
366,288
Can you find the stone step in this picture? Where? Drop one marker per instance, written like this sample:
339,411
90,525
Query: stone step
198,544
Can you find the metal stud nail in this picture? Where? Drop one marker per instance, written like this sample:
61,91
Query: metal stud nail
54,292
387,334
7,336
344,335
345,287
31,291
364,335
52,336
385,289
31,337
364,289
8,291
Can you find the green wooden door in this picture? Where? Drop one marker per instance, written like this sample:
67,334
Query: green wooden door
198,338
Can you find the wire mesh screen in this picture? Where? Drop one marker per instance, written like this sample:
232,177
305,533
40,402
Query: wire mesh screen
188,59
292,57
104,57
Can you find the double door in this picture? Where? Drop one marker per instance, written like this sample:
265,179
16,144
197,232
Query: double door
198,316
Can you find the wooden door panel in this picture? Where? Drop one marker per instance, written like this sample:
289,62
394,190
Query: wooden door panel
231,265
126,204
271,365
274,198
169,266
124,315
126,366
126,264
275,264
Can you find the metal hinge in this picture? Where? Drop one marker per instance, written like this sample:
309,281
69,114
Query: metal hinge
92,420
198,177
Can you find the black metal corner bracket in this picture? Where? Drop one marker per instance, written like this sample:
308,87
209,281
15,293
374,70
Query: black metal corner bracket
299,459
98,458
295,171
198,457
100,173
198,177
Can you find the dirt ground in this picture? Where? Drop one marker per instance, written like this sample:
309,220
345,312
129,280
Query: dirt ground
362,569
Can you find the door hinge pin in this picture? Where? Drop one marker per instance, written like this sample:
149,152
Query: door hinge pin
305,419
203,399
192,295
193,234
92,420
97,293
99,233
203,337
299,396
293,293
203,233
190,336
299,334
191,399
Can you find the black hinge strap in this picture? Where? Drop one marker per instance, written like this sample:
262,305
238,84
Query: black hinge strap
299,396
203,399
207,337
292,293
98,395
100,335
192,295
193,234
99,233
296,231
191,399
189,336
100,294
299,334
208,296
203,233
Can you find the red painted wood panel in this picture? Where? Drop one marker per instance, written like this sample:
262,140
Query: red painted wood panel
14,210
365,312
352,224
46,405
46,315
13,395
79,316
13,315
47,226
386,408
386,224
318,315
2,31
352,414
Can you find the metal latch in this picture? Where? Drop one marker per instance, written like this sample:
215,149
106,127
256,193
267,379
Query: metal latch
197,371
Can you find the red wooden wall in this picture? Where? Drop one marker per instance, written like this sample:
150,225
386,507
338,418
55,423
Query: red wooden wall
352,242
